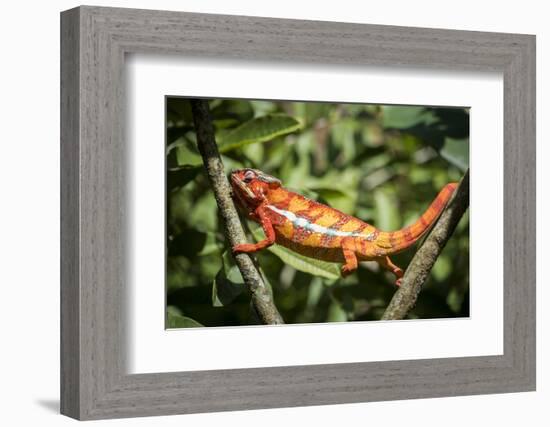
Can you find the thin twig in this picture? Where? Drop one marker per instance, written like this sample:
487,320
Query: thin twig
424,259
261,297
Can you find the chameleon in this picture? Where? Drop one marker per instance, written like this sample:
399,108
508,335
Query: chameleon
319,231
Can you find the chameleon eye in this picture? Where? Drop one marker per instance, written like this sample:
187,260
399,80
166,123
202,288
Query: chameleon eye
249,176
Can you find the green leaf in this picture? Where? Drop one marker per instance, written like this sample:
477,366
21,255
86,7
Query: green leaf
179,178
231,111
338,189
261,108
342,133
315,292
204,213
230,269
296,165
175,321
182,153
420,175
260,129
387,214
455,298
176,269
336,313
224,291
228,284
442,268
172,309
341,200
457,152
308,265
403,117
254,153
210,246
312,111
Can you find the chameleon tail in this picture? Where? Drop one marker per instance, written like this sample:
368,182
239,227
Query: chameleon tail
402,239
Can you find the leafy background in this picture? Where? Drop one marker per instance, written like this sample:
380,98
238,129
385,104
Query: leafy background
381,163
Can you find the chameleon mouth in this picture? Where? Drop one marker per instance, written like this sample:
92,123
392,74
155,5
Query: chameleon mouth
239,187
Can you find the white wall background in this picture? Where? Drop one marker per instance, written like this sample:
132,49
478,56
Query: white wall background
29,212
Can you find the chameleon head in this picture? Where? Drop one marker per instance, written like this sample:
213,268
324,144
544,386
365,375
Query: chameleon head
250,186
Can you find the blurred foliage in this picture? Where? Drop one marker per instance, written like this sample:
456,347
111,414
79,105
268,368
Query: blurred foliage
382,164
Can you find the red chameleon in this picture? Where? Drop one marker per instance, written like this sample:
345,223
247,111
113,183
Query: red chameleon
319,231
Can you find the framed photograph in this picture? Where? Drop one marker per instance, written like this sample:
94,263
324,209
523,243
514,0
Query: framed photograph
262,213
301,174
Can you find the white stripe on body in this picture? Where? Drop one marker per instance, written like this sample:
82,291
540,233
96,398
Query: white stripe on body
316,228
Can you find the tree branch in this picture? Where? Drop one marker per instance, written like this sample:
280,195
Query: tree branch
404,299
261,297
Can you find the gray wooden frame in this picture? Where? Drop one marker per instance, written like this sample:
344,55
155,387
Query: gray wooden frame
94,41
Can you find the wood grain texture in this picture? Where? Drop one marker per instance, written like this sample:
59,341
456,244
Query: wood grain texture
94,202
70,292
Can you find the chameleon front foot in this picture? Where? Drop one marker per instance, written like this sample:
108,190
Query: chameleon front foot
262,244
245,248
351,262
346,270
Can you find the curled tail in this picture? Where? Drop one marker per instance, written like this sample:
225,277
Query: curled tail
396,241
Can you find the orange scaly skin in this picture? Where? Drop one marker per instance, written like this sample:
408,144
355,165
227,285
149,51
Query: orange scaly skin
319,231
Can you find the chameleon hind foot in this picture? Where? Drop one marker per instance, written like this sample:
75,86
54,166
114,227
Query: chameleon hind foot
386,263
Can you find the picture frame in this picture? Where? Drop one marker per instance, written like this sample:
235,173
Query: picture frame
94,42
